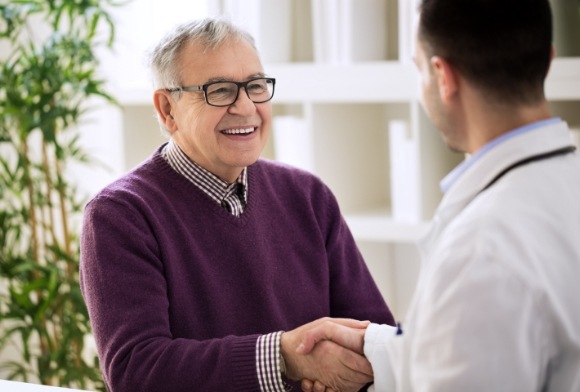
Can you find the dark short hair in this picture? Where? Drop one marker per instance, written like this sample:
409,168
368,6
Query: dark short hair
501,46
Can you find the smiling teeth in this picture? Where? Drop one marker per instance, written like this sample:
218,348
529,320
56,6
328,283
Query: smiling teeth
239,131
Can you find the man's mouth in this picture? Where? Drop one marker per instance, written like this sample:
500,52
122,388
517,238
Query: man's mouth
239,131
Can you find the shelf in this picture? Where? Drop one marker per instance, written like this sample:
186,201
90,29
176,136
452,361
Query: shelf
359,123
387,81
563,81
382,81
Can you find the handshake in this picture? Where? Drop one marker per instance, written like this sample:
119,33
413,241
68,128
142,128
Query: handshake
327,355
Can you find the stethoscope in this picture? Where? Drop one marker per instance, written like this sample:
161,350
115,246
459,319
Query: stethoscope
533,158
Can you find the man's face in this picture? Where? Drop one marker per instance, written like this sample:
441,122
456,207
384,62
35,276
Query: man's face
222,140
431,101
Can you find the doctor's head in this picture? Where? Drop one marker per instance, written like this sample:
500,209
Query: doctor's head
501,48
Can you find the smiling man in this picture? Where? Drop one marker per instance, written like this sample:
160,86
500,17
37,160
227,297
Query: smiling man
195,263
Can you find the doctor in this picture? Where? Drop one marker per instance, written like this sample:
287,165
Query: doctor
497,305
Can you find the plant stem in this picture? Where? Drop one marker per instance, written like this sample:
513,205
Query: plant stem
30,192
49,186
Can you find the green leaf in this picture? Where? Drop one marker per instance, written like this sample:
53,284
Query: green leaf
44,88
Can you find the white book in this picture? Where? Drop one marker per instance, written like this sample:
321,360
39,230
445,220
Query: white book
245,14
362,30
268,21
326,31
407,20
404,170
275,43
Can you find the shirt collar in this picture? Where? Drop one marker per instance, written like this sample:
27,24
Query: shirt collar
209,183
454,175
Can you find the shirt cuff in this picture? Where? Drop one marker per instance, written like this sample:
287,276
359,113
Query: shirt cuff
268,363
377,338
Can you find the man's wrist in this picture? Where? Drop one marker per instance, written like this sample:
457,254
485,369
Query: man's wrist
285,357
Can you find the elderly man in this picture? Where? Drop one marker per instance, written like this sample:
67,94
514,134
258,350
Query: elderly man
195,263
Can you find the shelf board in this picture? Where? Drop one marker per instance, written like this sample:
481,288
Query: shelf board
367,82
563,81
380,227
384,81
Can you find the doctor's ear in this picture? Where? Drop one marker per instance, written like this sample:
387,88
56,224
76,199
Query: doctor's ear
446,77
164,102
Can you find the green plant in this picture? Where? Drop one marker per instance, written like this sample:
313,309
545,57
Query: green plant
48,72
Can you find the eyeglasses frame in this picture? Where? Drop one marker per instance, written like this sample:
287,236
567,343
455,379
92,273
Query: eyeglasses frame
204,87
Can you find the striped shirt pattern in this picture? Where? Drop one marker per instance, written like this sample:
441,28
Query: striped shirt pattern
268,363
233,197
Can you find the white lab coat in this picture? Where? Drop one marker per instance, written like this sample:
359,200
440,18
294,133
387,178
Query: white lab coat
497,305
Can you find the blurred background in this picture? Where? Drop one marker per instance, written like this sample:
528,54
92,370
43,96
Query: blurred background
346,103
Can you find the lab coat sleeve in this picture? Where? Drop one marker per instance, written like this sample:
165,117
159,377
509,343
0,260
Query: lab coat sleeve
377,338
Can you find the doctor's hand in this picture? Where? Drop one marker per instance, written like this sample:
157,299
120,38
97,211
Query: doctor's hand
329,329
330,365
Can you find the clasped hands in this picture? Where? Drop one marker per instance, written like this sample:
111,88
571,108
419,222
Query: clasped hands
327,355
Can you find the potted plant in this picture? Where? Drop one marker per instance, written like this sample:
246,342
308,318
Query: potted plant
48,72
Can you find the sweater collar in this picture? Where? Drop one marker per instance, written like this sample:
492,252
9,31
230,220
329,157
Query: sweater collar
213,186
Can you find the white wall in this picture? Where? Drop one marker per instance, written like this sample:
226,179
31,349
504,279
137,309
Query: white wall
139,25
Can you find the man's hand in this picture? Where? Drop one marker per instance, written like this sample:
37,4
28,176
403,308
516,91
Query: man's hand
310,353
344,334
314,386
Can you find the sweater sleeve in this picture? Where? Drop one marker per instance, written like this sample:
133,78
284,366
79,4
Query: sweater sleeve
123,283
353,291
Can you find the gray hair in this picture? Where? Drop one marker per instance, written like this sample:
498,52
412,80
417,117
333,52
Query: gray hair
210,32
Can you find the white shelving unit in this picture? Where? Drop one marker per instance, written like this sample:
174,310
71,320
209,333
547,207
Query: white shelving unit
346,106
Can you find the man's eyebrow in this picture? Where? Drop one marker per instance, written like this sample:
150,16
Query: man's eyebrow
217,79
224,79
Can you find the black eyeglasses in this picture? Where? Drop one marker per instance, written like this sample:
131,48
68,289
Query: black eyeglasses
259,90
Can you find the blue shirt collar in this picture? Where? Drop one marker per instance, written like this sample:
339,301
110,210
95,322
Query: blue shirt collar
454,175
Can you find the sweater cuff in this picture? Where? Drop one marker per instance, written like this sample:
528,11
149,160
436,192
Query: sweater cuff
243,363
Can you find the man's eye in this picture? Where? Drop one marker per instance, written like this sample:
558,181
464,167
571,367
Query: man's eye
256,87
220,90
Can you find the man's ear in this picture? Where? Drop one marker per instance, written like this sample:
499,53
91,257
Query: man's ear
164,102
446,77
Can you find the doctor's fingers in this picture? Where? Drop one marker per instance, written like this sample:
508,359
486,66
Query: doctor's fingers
348,337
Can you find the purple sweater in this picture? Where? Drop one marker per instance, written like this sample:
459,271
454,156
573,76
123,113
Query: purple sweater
179,290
